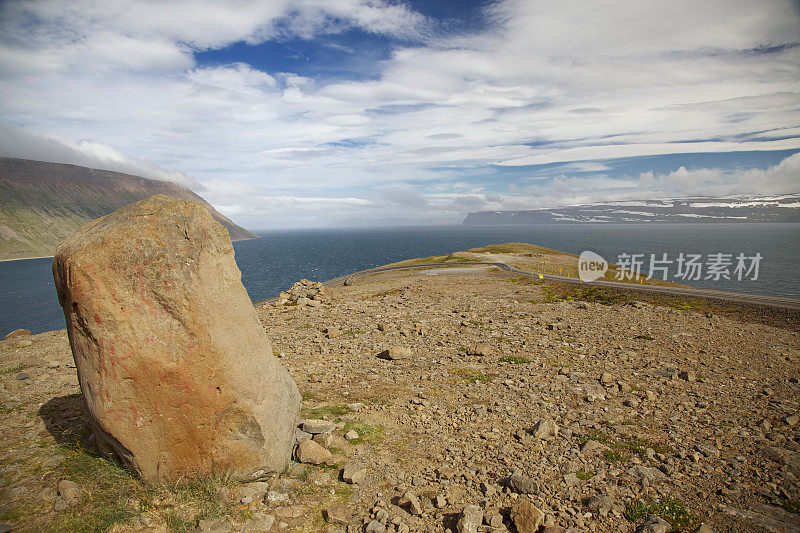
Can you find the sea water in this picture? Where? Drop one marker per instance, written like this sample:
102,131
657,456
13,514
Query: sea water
279,258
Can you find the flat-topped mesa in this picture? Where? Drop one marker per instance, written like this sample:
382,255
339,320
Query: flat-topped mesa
176,370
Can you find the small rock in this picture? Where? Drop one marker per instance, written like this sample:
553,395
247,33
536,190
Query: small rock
480,349
5,528
545,429
606,377
310,452
411,502
351,435
688,376
300,435
653,524
213,525
259,522
702,528
375,527
521,484
70,491
315,427
793,419
323,439
354,474
22,376
336,515
592,446
349,281
526,517
275,496
356,407
395,353
471,519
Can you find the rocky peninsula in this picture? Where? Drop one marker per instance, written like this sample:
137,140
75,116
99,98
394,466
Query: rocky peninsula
458,399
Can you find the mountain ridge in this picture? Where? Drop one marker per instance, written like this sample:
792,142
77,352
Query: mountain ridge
776,208
42,203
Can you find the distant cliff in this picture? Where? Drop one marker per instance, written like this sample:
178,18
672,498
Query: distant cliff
784,208
43,203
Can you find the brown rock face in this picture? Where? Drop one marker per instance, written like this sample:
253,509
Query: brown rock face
177,372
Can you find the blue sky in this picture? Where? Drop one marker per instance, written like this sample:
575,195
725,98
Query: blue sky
302,113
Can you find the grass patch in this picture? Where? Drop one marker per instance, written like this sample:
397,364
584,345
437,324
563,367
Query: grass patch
471,375
583,475
672,510
109,492
622,448
645,337
515,359
477,323
684,306
386,293
366,432
16,368
326,411
353,332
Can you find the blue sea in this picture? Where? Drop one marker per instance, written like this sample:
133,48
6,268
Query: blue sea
279,258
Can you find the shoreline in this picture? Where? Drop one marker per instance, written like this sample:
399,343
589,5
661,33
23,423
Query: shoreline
24,258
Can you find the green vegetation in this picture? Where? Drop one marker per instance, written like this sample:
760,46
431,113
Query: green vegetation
353,332
586,294
583,475
515,359
16,368
366,432
386,293
622,447
645,337
325,412
684,305
672,510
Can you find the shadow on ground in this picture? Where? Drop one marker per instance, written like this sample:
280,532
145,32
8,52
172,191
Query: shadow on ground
66,418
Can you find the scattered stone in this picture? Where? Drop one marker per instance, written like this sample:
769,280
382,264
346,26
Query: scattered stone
356,407
606,378
159,320
395,353
526,517
323,439
471,519
260,522
653,524
336,515
688,376
521,484
591,447
702,528
375,527
213,525
410,501
545,429
310,452
349,281
304,292
480,349
315,427
351,435
22,376
793,419
70,491
354,474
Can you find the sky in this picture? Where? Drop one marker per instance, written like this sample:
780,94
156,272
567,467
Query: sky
311,113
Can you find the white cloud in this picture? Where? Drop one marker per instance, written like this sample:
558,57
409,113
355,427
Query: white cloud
20,143
548,81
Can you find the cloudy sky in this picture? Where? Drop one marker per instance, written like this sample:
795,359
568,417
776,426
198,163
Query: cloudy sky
298,113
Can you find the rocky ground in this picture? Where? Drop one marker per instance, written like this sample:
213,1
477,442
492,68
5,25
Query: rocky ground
459,399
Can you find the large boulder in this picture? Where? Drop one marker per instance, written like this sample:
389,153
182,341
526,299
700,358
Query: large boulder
176,370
